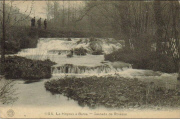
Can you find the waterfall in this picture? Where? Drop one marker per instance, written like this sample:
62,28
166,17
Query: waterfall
57,49
56,45
74,69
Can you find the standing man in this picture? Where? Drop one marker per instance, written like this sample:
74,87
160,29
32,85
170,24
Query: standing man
45,24
39,23
33,22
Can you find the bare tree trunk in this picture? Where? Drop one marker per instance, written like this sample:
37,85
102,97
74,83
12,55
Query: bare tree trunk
175,32
63,16
123,9
55,13
179,61
4,36
75,11
176,8
160,25
68,15
178,78
48,10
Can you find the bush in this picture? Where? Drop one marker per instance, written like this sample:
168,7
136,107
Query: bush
80,51
162,63
19,67
12,47
20,37
144,60
112,92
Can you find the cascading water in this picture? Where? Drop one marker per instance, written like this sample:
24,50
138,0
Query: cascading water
73,69
56,49
81,66
46,45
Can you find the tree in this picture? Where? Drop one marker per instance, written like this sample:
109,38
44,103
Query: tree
167,25
128,20
160,25
7,92
174,33
10,18
48,7
179,62
3,36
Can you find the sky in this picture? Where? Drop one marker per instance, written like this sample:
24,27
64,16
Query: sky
38,7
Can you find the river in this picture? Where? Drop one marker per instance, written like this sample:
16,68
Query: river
33,95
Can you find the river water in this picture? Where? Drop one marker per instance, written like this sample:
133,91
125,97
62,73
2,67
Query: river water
34,94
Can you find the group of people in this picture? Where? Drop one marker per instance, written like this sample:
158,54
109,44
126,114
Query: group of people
33,23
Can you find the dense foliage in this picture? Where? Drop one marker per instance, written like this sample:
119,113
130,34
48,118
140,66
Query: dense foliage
20,37
19,67
113,92
144,60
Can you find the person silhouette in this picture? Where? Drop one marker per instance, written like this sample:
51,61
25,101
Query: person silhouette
45,24
33,22
39,23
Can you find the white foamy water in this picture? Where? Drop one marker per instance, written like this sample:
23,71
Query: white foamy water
88,65
49,44
56,49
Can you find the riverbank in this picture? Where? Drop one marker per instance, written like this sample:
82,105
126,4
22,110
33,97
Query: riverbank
149,60
114,92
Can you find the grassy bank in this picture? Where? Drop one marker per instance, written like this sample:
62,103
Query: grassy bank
113,92
21,68
144,60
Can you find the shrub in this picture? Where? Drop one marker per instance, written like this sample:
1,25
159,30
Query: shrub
144,60
20,37
80,51
162,63
12,47
7,91
18,67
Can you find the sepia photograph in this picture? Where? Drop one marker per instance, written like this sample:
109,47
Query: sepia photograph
89,59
